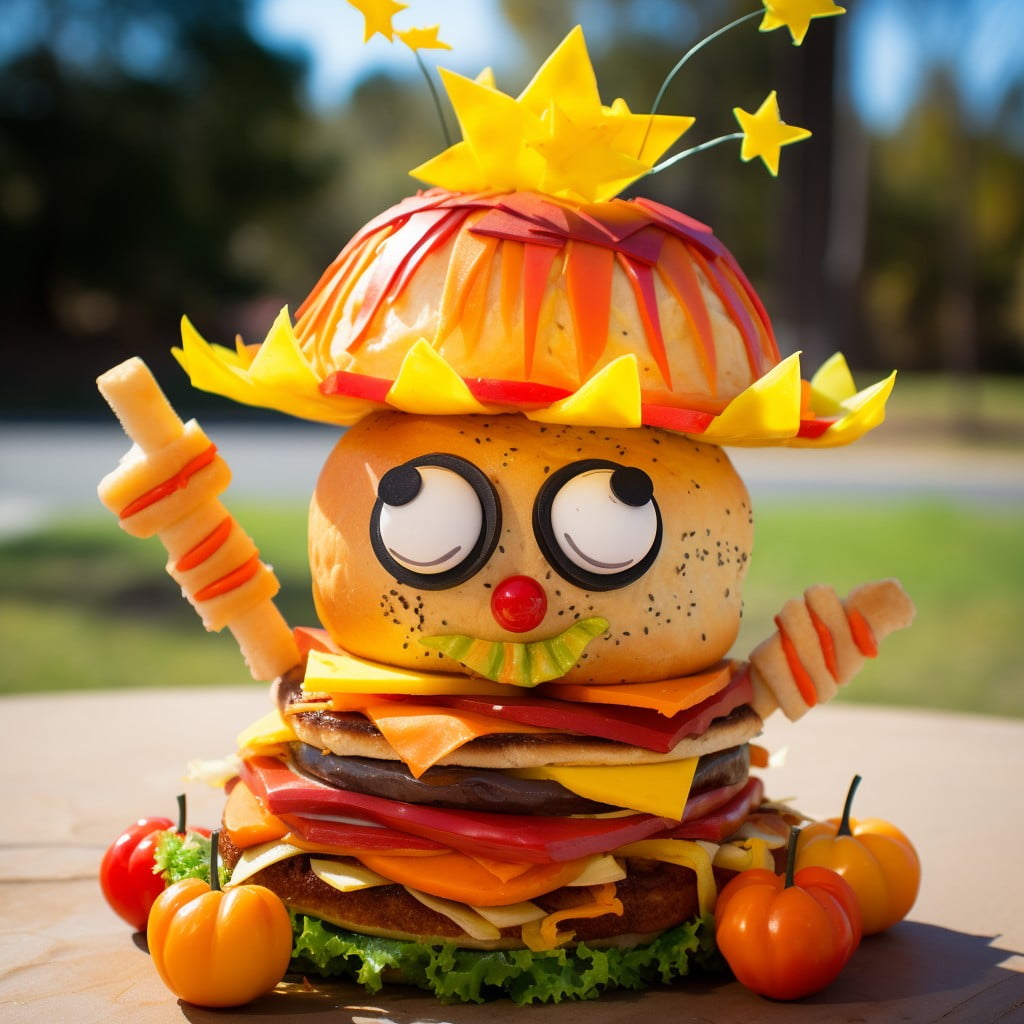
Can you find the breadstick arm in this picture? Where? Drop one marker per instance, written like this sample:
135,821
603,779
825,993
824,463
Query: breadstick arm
167,485
822,642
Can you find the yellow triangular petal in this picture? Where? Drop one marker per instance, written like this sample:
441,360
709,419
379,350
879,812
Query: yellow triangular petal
567,76
863,412
833,379
832,385
610,398
279,362
455,169
426,384
212,367
493,127
769,408
221,371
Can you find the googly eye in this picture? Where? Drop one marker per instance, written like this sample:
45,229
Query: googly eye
598,524
435,522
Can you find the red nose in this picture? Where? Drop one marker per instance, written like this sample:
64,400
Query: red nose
519,604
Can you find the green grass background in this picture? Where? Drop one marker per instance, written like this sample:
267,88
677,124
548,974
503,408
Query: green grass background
83,606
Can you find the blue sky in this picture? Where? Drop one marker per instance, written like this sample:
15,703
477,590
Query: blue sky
892,44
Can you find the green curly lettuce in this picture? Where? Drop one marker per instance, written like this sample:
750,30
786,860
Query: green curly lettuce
453,974
185,856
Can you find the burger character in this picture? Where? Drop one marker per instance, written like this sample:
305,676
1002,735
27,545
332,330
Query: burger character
514,758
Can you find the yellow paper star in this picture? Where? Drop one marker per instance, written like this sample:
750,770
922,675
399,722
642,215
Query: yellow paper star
796,15
378,15
555,137
422,38
765,133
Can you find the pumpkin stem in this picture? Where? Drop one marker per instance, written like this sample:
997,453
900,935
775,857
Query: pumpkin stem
844,824
181,814
794,834
214,863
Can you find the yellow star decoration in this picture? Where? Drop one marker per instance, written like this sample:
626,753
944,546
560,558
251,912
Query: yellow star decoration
422,38
765,133
796,15
378,15
556,137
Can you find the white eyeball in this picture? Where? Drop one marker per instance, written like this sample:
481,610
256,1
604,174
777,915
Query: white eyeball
434,521
598,524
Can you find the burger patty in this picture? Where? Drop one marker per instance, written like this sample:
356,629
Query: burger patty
481,789
655,896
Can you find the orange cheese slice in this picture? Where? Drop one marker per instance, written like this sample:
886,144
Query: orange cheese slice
422,735
668,696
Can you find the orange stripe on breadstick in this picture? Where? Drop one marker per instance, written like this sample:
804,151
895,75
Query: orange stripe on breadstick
863,634
828,647
178,482
206,547
230,581
803,680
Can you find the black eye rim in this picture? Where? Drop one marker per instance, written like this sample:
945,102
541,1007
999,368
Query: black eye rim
548,543
481,551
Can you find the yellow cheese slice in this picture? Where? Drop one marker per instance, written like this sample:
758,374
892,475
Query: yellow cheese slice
345,877
660,789
268,731
472,923
256,858
600,869
345,673
512,915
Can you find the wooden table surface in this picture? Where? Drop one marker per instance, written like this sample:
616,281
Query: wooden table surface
80,767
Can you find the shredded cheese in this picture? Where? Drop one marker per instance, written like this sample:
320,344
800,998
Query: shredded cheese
544,934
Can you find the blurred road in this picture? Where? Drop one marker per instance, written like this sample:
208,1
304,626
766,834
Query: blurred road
48,469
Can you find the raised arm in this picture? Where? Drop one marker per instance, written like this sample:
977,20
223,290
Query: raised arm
167,485
821,644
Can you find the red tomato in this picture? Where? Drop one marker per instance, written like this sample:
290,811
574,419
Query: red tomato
126,872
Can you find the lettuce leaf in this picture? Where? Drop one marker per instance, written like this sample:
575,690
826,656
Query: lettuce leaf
474,976
188,856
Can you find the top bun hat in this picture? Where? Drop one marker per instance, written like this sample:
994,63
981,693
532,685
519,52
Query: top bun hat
519,283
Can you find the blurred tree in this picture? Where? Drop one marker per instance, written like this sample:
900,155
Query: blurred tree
944,274
153,159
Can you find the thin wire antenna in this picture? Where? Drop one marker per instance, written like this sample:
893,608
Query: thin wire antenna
693,50
657,168
437,98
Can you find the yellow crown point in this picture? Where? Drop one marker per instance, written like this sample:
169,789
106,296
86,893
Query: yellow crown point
556,137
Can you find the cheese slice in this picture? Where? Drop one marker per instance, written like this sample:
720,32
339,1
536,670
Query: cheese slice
256,858
422,735
472,923
268,731
600,869
660,789
512,915
667,696
345,877
345,673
